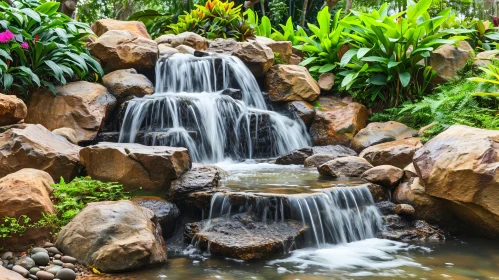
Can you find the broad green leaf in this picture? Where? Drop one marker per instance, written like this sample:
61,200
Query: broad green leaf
348,56
405,78
327,68
362,52
308,61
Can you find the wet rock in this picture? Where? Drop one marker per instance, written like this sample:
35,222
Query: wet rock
460,167
397,153
26,262
66,274
448,59
21,270
345,167
401,229
12,109
135,165
291,83
304,110
41,258
26,192
334,150
258,58
201,177
166,51
381,132
127,83
114,236
317,160
404,210
236,94
410,172
44,275
135,27
166,212
67,133
295,157
190,39
244,238
119,49
326,81
386,207
386,175
339,125
82,106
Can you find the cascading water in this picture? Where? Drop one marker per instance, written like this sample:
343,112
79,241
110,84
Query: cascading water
190,110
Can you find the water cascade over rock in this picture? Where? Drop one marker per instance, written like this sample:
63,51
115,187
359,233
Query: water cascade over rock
189,110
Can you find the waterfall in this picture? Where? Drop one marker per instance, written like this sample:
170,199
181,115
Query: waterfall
190,109
337,215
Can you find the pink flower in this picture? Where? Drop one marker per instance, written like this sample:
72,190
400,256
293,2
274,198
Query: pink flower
6,36
25,46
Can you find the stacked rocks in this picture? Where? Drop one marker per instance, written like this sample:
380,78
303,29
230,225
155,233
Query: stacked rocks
46,263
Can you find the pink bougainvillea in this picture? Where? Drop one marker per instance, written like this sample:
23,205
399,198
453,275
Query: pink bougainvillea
6,36
25,45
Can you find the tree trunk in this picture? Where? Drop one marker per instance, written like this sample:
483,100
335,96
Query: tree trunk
304,12
330,3
68,7
348,6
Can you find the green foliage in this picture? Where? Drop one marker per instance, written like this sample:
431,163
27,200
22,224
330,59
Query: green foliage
289,33
47,49
482,35
278,10
492,79
217,19
12,226
263,28
156,23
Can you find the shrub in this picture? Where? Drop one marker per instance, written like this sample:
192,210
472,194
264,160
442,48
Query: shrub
217,19
42,47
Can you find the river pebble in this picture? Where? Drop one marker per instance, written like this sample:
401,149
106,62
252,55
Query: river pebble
21,270
34,270
44,275
68,265
66,274
48,245
41,258
57,262
54,250
68,259
54,269
32,277
39,249
26,262
7,256
57,257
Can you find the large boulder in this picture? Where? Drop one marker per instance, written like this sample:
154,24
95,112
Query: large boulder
345,167
221,45
448,59
165,211
461,165
304,110
339,125
113,236
82,106
33,146
127,83
377,133
119,49
135,166
12,109
201,177
26,192
397,153
189,39
385,175
135,27
291,83
258,58
283,48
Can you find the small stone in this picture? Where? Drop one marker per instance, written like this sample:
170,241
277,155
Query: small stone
38,249
7,256
48,245
44,275
26,262
54,269
68,259
34,270
54,250
21,270
41,258
33,277
57,257
68,265
57,262
66,274
404,210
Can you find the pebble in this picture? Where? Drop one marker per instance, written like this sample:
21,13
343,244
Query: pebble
26,262
68,259
7,255
10,266
34,270
53,269
66,274
57,257
21,270
41,258
39,249
68,265
54,250
33,277
43,275
48,245
57,262
5,263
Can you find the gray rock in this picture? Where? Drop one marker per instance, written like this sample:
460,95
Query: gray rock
32,277
21,270
234,93
68,265
201,177
57,262
295,157
336,151
166,212
38,249
48,245
34,270
317,160
7,256
26,262
66,274
54,269
345,167
54,250
44,275
41,258
57,257
68,259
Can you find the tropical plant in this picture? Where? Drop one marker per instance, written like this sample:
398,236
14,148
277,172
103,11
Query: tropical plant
278,9
263,28
217,19
42,47
492,78
324,47
156,23
289,33
388,52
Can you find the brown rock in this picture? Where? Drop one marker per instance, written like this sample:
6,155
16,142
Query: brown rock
190,39
326,81
67,133
135,27
135,165
113,236
397,153
338,126
345,167
295,60
317,160
201,177
12,109
291,83
185,49
33,146
405,210
297,156
165,211
165,50
460,166
386,175
221,45
328,103
377,133
26,192
283,48
82,106
127,83
258,58
448,59
123,50
303,110
410,172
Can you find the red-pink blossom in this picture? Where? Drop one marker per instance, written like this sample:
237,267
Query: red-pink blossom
6,36
25,46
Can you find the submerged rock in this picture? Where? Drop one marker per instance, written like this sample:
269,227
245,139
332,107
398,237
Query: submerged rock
241,237
377,133
397,153
345,167
114,236
201,177
402,229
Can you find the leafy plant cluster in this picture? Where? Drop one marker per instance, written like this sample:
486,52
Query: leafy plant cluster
42,47
69,199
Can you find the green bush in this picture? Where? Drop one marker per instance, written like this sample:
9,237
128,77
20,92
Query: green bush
42,47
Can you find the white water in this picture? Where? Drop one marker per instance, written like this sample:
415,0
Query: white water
189,110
